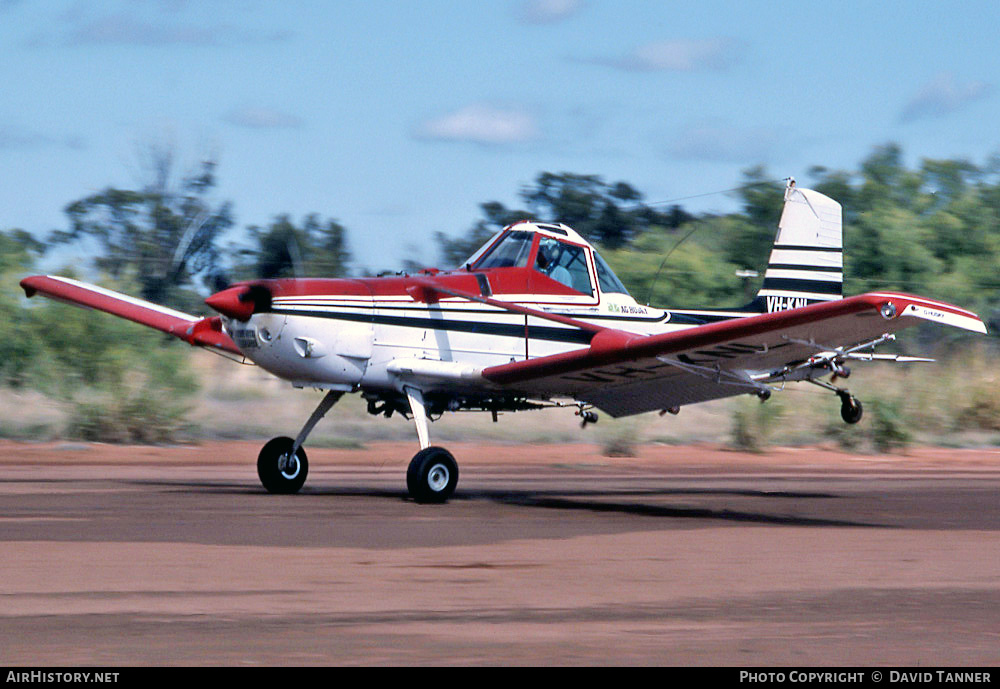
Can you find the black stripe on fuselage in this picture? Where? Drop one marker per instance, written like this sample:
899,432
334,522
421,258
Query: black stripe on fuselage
704,318
492,312
798,247
535,332
808,286
794,266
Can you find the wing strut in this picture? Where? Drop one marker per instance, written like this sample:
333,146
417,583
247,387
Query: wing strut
427,291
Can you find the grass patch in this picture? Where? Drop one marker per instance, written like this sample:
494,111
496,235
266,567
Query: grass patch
619,437
754,423
955,403
36,432
138,416
889,426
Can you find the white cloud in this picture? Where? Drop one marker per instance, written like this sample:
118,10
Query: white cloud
548,11
17,137
14,137
721,142
683,55
482,124
257,117
942,96
125,29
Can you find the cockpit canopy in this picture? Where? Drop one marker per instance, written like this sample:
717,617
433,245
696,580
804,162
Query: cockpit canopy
553,250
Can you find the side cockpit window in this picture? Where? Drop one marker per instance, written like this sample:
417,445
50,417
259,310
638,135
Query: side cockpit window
511,251
565,263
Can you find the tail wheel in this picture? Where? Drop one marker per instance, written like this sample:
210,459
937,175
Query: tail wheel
850,409
280,472
432,476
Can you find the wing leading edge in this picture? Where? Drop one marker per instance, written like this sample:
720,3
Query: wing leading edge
623,374
201,332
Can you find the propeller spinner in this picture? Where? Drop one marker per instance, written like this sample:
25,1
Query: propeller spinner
241,302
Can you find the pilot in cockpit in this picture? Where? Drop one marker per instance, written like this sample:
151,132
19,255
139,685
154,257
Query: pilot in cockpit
547,262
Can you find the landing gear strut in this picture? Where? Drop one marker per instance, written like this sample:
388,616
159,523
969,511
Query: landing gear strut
433,472
282,465
431,477
850,406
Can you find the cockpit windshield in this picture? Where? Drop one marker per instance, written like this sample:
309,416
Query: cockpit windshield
609,281
511,251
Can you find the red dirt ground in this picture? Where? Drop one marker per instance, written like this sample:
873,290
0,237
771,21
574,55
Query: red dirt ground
116,555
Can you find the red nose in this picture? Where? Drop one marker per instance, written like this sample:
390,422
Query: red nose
235,302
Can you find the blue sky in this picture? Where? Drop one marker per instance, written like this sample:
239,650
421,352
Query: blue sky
399,118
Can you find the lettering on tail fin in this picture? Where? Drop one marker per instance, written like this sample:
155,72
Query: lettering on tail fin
785,303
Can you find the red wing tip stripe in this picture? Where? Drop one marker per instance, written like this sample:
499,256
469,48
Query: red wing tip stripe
923,301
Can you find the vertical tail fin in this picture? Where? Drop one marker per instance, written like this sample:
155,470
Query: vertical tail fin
807,260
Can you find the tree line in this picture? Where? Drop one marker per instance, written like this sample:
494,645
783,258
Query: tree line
932,229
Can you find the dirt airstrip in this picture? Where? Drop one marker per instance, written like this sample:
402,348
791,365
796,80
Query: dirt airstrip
547,554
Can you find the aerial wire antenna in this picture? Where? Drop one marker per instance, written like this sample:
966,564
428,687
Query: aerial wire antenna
697,224
295,255
652,285
712,193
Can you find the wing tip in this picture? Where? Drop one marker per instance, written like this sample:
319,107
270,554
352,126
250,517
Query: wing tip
28,285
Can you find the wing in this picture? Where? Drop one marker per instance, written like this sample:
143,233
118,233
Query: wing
623,373
203,332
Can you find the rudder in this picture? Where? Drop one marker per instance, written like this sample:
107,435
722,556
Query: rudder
807,260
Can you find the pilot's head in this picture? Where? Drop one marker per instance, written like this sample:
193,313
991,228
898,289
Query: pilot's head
544,257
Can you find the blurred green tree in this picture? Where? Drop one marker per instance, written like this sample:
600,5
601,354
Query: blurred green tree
163,236
315,248
18,349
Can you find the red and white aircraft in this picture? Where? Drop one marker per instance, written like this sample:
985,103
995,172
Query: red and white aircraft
536,319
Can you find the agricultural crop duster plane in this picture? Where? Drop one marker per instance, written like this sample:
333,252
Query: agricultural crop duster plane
536,319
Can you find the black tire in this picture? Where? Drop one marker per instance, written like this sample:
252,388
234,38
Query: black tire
850,410
432,476
274,477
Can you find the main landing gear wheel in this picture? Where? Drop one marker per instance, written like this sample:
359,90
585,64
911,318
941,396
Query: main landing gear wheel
432,476
278,472
850,408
